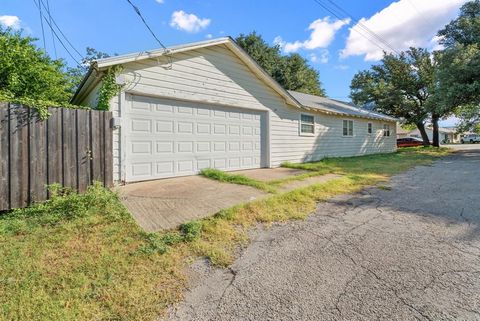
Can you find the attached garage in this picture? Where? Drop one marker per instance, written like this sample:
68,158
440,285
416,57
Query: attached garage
168,138
209,105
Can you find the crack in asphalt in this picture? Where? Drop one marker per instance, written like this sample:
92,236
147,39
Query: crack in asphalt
411,253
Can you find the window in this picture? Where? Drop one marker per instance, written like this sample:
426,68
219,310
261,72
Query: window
369,128
307,124
348,128
386,130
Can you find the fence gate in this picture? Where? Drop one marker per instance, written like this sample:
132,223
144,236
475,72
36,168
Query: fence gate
73,147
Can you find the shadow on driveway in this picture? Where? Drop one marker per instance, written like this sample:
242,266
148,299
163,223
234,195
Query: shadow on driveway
407,252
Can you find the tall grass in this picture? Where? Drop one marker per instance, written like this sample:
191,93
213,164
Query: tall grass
82,257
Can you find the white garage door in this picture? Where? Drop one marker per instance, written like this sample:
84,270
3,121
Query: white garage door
167,138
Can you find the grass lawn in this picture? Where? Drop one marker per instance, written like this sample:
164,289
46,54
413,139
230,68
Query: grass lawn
82,257
236,179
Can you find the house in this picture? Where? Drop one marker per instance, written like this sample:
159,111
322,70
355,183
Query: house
208,104
402,133
446,135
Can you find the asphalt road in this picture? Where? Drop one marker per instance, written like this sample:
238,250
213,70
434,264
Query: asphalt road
411,252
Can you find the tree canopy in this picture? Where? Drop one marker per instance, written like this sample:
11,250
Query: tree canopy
399,86
459,65
76,74
28,72
292,71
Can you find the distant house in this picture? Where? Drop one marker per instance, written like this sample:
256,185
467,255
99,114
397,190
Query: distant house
401,133
208,104
446,135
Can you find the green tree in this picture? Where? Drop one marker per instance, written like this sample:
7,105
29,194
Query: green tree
292,71
28,72
399,86
459,66
76,74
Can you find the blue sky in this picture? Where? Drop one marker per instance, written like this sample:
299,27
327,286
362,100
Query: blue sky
337,46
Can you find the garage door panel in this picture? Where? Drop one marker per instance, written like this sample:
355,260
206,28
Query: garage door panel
203,163
167,138
164,147
164,126
139,125
203,128
164,168
141,148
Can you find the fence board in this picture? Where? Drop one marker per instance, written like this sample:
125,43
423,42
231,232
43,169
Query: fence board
54,143
95,139
19,156
71,147
38,158
4,151
108,139
101,123
83,141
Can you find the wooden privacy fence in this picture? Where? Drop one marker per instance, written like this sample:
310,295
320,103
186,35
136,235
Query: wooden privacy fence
73,147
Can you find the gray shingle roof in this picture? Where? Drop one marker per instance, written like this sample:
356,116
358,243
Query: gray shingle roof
333,106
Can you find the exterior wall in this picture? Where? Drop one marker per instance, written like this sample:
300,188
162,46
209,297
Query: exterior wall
328,141
453,138
118,156
216,76
92,97
416,133
210,75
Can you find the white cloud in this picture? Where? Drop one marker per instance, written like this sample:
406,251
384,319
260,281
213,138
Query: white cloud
10,22
160,1
321,36
321,57
188,22
209,36
402,24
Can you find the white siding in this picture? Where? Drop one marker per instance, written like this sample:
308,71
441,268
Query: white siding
118,157
92,98
453,138
209,75
288,145
216,76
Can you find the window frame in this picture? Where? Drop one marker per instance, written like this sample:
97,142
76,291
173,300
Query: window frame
301,122
349,121
386,130
369,128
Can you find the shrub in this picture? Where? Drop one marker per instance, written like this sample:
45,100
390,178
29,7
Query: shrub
191,230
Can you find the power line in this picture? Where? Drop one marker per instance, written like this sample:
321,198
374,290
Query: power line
357,30
420,14
56,35
43,31
53,37
59,29
146,24
362,28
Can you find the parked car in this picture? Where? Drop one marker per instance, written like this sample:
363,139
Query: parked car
409,142
470,138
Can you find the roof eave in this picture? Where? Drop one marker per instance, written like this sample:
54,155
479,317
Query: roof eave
102,64
118,60
81,87
329,112
254,66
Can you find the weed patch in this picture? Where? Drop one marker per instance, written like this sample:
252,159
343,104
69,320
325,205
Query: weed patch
236,179
82,257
